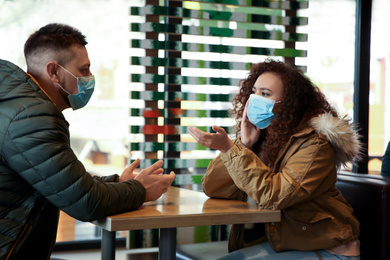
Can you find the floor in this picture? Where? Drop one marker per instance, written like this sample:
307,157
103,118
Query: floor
204,251
121,254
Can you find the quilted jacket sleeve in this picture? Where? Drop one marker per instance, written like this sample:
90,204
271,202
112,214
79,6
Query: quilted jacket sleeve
37,147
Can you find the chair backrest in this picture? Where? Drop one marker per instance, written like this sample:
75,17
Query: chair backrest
369,195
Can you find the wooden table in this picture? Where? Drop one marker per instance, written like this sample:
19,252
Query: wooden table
180,208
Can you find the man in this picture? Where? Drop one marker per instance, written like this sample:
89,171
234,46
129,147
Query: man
386,162
39,172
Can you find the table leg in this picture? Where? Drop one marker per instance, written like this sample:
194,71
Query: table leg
108,244
167,244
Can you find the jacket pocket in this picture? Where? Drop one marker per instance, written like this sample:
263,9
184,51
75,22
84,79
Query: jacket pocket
307,230
310,224
307,217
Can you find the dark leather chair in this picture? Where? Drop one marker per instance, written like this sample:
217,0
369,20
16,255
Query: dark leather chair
369,195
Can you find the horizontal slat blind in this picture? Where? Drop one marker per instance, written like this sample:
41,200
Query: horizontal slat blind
187,58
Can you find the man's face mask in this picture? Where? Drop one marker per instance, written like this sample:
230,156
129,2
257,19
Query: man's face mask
86,86
259,111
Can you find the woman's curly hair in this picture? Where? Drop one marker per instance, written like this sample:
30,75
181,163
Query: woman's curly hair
301,102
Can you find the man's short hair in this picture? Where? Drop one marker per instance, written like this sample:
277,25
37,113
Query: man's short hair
51,42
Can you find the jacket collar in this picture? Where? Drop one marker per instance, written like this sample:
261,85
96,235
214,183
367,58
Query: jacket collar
341,134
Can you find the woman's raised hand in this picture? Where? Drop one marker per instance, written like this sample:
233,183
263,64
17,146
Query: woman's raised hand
249,132
219,140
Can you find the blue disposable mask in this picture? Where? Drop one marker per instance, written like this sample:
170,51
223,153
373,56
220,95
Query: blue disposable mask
86,86
259,111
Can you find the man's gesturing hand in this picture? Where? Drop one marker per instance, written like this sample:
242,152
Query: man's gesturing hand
154,182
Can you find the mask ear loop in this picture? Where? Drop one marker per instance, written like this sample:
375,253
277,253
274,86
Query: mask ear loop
67,92
67,71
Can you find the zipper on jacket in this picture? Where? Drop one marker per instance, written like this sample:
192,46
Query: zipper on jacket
21,239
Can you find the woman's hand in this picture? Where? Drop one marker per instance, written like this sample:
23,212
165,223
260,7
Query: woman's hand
249,132
219,140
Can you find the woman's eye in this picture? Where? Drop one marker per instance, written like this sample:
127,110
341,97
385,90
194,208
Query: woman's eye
264,94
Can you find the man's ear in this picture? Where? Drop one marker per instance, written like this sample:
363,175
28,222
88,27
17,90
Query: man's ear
51,70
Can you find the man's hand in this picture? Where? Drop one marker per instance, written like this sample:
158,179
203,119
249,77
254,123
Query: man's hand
219,141
128,172
154,182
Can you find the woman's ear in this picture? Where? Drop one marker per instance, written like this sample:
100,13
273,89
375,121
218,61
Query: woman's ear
51,70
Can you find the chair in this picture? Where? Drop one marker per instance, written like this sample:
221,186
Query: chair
369,195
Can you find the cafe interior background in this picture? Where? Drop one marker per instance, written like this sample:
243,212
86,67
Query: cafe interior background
153,81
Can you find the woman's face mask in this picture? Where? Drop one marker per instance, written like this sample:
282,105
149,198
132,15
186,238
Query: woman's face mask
259,110
86,86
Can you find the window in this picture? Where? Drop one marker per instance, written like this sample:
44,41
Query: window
379,123
331,50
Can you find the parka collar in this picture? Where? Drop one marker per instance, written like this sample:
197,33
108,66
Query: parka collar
342,135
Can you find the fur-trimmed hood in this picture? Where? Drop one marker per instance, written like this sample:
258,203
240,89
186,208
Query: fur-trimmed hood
343,136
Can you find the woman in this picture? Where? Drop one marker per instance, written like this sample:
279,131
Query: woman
290,146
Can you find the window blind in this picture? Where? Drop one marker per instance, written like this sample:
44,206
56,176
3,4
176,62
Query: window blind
186,61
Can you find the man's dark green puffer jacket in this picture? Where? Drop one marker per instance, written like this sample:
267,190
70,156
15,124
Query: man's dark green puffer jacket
40,174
